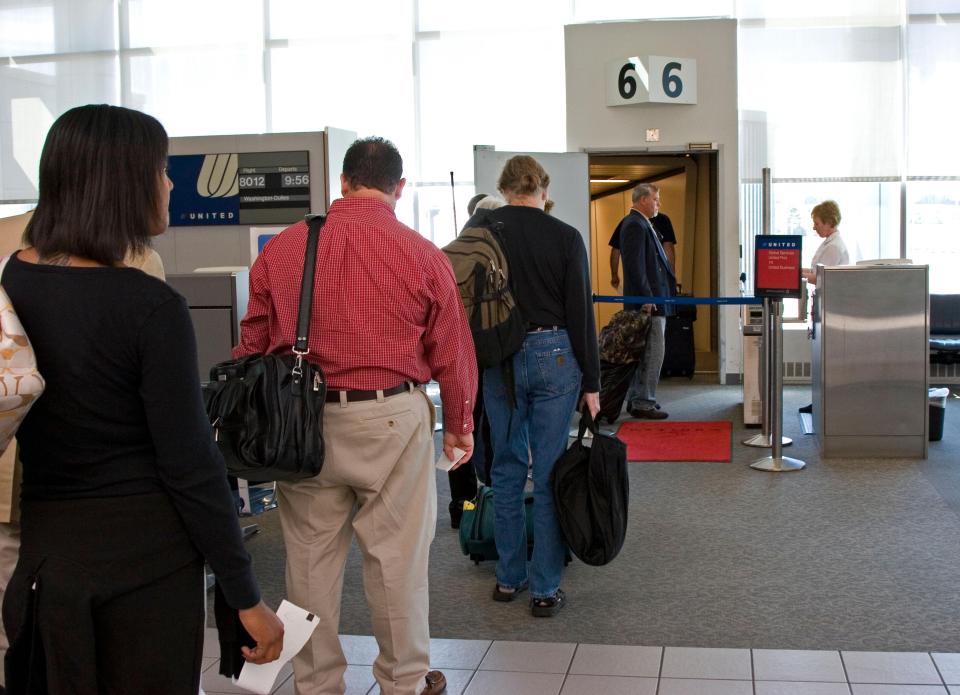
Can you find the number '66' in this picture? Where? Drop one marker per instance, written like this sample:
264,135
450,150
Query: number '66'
672,84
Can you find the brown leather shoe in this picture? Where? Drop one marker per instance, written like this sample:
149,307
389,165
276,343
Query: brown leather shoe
436,683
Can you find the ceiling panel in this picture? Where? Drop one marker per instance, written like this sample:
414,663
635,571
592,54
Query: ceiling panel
610,174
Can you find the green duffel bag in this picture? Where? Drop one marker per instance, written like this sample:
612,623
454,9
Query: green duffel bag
476,526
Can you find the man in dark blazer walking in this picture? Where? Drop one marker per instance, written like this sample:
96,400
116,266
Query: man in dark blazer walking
647,273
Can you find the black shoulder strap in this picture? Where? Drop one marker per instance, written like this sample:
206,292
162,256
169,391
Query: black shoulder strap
488,219
314,223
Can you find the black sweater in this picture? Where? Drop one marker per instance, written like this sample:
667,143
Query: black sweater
122,412
550,280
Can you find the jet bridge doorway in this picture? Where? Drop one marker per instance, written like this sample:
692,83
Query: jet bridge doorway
688,196
592,192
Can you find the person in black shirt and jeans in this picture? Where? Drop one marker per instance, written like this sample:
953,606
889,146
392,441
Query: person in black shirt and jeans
557,367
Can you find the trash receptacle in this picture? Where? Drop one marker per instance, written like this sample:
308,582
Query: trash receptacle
938,407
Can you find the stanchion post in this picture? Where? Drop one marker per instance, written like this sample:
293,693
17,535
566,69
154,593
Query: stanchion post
765,372
765,438
777,462
773,350
776,392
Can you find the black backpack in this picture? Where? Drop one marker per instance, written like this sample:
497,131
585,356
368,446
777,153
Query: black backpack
483,278
591,491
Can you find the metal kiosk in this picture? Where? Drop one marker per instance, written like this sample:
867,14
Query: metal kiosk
870,361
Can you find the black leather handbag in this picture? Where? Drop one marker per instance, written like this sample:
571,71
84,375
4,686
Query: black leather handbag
591,492
267,410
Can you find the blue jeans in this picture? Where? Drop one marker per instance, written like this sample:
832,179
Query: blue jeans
547,386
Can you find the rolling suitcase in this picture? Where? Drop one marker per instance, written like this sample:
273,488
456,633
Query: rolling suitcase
614,383
623,342
679,356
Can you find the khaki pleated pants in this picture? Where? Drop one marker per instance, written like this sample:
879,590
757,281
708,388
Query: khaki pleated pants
378,482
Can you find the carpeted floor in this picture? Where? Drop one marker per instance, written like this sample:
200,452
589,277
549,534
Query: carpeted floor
846,554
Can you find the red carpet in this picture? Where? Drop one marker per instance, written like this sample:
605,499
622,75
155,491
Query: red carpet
676,441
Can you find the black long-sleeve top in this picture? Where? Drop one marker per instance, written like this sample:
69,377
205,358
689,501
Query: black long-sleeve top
122,412
550,280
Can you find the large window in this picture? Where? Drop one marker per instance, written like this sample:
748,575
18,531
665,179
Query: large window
869,213
933,181
869,224
933,231
829,97
852,101
846,99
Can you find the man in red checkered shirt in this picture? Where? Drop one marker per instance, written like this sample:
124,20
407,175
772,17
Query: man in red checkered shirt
386,317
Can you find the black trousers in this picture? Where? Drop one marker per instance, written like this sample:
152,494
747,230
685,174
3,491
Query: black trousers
107,599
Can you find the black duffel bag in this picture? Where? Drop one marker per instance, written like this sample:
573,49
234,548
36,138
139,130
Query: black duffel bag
591,491
267,410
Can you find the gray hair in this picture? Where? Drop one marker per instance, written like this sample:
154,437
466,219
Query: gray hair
490,202
642,190
472,205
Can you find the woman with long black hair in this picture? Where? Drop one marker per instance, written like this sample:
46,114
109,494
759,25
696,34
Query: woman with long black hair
124,491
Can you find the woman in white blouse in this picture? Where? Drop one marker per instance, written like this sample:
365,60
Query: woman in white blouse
832,251
826,219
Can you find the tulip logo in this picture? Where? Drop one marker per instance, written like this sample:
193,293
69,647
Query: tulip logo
218,176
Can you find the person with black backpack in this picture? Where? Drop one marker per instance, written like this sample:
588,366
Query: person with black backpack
530,398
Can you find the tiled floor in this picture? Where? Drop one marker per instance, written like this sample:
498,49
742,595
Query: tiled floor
482,667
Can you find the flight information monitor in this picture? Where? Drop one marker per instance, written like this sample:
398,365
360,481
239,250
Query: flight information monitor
239,189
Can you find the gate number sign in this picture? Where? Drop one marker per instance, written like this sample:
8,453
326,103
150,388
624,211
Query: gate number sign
656,79
777,269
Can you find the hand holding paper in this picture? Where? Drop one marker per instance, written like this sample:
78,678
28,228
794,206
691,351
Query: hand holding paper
264,626
445,464
456,442
298,625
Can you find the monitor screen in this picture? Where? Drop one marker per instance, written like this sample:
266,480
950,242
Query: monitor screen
239,189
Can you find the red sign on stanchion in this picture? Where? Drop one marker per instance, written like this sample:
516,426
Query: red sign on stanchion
777,266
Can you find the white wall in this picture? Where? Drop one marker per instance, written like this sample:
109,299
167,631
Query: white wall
569,183
592,125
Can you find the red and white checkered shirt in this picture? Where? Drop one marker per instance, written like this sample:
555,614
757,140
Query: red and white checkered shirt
385,307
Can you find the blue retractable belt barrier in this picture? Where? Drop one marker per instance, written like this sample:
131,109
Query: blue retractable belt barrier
676,300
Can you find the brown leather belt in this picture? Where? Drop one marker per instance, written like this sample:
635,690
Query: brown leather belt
353,395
